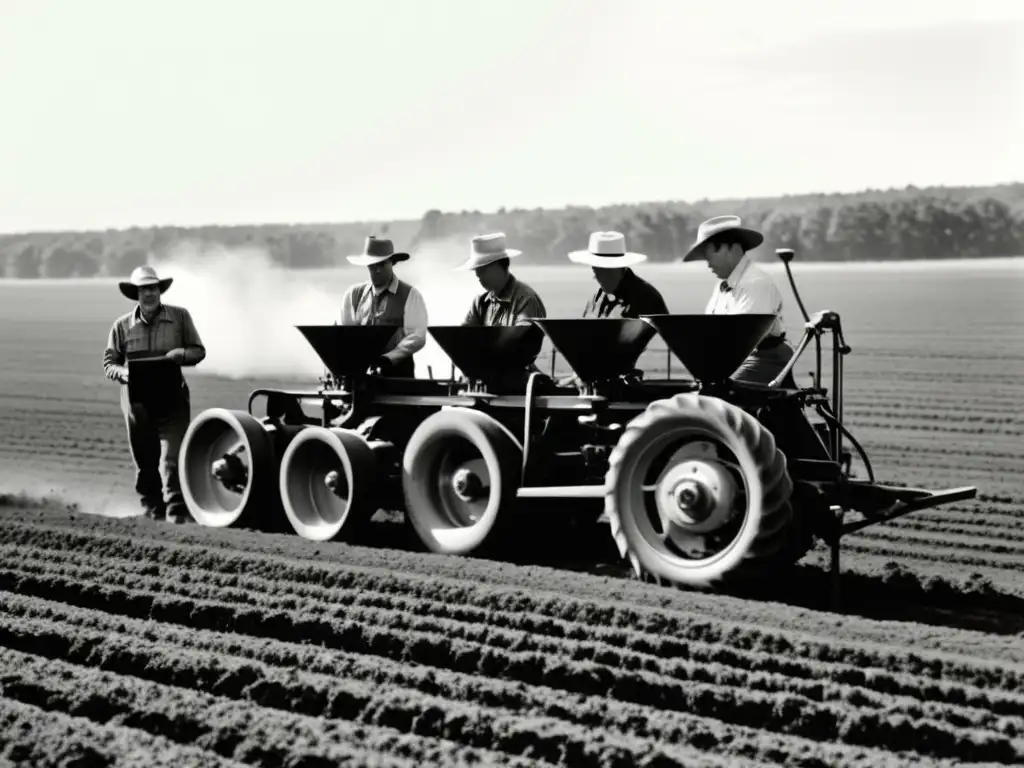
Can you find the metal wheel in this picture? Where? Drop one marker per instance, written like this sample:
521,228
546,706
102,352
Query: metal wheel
460,470
697,492
228,470
327,482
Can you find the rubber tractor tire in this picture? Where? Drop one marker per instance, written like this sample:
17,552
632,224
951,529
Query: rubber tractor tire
228,466
460,475
718,486
327,484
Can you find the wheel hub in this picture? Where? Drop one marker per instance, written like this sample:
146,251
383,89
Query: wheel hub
333,481
230,471
692,499
467,484
695,495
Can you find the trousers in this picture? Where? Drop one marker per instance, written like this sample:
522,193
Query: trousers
154,441
761,366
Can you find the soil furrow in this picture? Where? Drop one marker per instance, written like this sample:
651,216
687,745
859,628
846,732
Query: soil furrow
231,728
679,658
33,736
624,605
316,695
591,711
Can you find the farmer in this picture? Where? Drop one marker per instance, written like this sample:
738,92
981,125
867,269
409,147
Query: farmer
743,288
154,329
506,300
621,293
386,300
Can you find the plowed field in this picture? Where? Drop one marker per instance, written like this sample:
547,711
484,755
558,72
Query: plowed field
126,642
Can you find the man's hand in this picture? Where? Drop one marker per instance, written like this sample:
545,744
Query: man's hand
572,380
177,355
382,365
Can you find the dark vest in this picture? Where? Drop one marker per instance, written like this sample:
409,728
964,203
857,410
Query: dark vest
392,314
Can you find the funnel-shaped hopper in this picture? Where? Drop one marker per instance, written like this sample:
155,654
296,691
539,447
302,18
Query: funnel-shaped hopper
711,347
599,348
348,350
486,352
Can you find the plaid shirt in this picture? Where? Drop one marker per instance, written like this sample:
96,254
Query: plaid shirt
512,305
132,337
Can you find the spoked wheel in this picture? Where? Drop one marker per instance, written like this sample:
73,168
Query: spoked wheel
228,471
327,483
697,492
460,473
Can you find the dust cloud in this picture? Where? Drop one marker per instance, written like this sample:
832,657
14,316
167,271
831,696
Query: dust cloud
245,306
96,495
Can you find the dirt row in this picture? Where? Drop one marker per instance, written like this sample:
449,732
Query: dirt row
233,643
959,600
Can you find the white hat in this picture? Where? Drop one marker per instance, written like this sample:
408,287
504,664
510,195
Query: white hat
144,275
487,249
607,250
376,250
749,238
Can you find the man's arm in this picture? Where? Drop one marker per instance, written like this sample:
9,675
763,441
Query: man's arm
192,351
348,307
415,328
712,304
531,306
654,303
114,367
475,316
758,297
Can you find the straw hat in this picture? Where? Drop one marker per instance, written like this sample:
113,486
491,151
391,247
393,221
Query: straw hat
607,250
140,276
487,249
376,250
749,238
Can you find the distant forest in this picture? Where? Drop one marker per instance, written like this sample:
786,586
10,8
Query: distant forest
910,223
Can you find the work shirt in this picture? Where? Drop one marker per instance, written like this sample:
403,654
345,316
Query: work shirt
748,290
513,304
381,306
633,297
131,337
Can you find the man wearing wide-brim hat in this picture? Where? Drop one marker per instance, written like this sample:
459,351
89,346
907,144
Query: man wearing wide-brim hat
386,300
155,431
506,300
743,288
621,292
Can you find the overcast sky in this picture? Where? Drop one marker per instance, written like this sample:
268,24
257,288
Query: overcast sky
138,112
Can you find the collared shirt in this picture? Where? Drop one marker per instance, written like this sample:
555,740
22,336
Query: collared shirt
131,336
748,290
374,303
513,304
633,297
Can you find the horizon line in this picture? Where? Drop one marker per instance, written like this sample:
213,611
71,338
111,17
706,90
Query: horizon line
497,211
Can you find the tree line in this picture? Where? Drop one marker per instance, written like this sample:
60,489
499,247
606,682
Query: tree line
909,223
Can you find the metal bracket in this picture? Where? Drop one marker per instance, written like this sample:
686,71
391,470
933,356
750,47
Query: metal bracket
908,500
